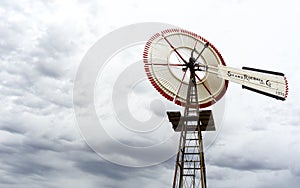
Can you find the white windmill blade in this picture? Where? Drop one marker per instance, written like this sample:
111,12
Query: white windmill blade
269,83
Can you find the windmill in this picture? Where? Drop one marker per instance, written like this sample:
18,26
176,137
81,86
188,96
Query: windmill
188,70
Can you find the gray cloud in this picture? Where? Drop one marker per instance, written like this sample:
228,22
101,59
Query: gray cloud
247,164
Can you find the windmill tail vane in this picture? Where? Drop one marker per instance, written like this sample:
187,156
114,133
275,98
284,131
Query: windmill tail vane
269,83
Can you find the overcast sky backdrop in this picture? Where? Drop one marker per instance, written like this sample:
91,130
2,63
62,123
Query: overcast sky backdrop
43,42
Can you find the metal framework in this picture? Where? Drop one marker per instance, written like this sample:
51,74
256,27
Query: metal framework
190,166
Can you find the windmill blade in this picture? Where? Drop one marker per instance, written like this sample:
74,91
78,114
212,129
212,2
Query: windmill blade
269,83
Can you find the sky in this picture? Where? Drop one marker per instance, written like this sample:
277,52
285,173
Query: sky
42,44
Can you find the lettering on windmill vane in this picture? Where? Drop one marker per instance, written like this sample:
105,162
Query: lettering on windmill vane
248,78
280,93
268,83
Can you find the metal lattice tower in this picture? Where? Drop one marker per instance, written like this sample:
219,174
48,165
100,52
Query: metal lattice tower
190,166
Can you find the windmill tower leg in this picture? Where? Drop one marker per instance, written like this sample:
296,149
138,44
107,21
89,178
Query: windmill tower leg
202,162
190,167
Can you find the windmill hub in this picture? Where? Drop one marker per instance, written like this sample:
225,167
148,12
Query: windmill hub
192,65
192,60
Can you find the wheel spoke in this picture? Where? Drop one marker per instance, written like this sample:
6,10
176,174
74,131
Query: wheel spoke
205,46
194,49
164,64
205,86
180,84
174,49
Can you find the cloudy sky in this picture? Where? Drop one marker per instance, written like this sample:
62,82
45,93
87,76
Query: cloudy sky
43,42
